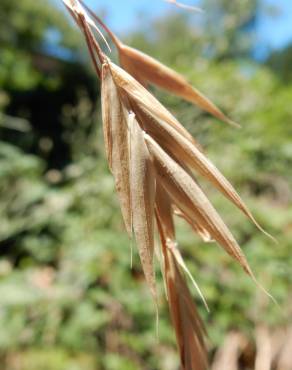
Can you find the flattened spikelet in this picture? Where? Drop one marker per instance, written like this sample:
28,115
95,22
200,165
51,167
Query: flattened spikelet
142,97
148,70
184,151
191,200
189,328
164,208
165,213
116,142
142,180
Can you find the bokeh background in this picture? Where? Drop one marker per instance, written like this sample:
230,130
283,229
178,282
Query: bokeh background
69,298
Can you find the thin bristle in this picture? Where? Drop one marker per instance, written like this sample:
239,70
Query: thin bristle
113,37
185,6
90,48
233,123
77,8
262,229
263,289
181,263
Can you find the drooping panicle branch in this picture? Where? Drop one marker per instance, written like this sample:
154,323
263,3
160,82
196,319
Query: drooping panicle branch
151,156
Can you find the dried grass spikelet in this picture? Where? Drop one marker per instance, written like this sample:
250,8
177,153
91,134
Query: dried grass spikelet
184,315
132,168
151,156
164,211
141,97
148,70
142,180
182,188
173,137
191,200
116,142
189,329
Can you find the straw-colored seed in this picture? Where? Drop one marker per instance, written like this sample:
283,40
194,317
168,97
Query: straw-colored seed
191,200
184,151
189,328
142,180
148,70
139,94
164,208
116,142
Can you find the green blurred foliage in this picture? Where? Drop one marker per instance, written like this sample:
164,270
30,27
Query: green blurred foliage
280,61
26,28
69,298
